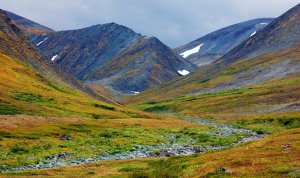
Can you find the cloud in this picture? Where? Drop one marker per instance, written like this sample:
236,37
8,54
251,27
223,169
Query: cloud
175,22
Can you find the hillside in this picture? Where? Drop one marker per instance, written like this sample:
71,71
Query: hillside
232,73
280,34
33,85
15,44
209,48
266,84
146,63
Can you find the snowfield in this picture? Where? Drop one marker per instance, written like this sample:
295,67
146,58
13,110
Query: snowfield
183,72
54,57
191,51
253,33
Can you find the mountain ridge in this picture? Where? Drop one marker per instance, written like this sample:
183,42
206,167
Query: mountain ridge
280,34
16,44
214,45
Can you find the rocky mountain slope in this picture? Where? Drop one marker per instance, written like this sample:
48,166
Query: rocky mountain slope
31,29
209,48
279,66
112,55
15,44
280,34
144,64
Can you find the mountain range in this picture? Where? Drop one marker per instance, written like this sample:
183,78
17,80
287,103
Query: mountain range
135,62
269,56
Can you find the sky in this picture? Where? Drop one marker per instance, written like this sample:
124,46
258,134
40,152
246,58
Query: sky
174,22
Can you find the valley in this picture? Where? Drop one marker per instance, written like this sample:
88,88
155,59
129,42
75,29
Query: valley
106,101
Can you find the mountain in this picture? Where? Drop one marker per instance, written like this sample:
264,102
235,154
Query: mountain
280,34
113,55
213,46
261,75
86,52
15,44
144,64
32,29
83,51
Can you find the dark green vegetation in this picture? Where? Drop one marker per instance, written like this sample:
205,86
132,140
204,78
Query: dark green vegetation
32,98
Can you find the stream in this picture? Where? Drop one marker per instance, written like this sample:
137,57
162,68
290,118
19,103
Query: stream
172,148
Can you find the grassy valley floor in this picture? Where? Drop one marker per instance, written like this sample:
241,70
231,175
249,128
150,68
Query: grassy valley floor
275,156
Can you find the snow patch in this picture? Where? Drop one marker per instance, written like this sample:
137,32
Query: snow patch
264,23
54,57
191,51
253,33
42,42
135,92
183,72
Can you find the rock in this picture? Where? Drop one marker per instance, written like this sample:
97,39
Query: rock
65,137
105,154
223,170
295,172
286,147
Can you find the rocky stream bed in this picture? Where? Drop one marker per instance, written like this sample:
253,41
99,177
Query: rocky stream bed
172,148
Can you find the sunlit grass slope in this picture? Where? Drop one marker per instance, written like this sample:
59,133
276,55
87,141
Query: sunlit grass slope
274,96
25,91
241,74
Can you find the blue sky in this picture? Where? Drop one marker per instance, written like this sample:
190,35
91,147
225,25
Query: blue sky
175,22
